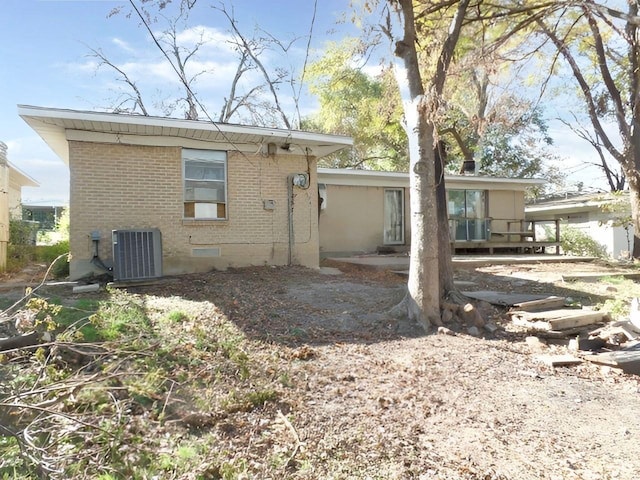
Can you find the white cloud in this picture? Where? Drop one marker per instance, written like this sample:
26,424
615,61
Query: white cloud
123,45
201,33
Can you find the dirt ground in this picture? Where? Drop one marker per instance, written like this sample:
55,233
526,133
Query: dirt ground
375,397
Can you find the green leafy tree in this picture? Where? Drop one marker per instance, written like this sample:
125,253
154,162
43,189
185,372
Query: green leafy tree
354,103
600,46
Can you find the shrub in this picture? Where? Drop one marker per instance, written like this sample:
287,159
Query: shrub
21,249
576,242
48,253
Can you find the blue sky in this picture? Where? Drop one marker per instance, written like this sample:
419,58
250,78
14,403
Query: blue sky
45,51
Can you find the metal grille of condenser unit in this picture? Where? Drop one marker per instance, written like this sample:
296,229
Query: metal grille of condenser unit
137,254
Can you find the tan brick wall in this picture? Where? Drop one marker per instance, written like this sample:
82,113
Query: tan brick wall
119,186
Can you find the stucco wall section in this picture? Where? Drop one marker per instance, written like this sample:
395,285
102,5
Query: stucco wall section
353,220
505,205
119,186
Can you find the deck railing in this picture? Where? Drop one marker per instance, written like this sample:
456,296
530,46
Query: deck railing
519,234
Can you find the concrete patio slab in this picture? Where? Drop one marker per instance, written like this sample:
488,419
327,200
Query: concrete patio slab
400,263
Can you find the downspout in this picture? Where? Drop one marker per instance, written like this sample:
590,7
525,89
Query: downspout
290,215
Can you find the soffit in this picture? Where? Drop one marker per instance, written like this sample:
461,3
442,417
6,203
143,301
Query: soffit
55,126
373,178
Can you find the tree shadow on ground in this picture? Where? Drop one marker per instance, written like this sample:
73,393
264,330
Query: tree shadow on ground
295,306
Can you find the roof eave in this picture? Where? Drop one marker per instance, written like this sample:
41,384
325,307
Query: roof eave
49,124
18,177
373,177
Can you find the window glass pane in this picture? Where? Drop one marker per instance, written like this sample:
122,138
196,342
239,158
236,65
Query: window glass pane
456,203
203,171
475,204
477,229
204,191
204,183
393,217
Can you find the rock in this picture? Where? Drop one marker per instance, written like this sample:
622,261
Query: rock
535,344
471,316
447,316
473,331
92,287
445,331
491,327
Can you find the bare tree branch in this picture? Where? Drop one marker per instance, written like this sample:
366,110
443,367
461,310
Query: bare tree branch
137,97
616,180
271,83
562,47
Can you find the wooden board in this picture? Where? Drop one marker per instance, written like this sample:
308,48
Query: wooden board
552,302
627,360
562,319
559,360
502,298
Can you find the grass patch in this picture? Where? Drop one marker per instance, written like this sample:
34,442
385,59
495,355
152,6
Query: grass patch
74,322
122,315
143,383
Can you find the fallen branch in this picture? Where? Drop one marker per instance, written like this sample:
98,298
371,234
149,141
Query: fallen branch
19,341
294,432
4,317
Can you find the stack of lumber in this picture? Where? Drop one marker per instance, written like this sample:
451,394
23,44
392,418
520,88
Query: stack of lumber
550,318
615,344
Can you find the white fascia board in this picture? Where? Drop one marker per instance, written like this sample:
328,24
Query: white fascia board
566,208
53,135
20,179
363,178
48,121
374,178
156,141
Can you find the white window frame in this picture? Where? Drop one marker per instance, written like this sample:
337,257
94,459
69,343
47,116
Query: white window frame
386,227
211,209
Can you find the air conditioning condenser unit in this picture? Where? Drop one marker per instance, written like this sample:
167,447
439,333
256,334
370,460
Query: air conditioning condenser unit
137,254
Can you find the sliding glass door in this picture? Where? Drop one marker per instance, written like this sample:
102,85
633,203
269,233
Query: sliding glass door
467,214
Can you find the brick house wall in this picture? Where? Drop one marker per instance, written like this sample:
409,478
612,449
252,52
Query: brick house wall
120,186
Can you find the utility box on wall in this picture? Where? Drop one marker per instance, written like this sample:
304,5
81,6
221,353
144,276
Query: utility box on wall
137,254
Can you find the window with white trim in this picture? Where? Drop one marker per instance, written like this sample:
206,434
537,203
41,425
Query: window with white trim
205,184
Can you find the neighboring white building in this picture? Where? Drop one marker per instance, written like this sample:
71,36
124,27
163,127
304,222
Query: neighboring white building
588,212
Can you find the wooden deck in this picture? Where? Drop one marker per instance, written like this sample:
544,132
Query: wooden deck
491,247
519,237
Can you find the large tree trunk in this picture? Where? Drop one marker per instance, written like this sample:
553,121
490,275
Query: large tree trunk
634,195
428,250
445,267
423,299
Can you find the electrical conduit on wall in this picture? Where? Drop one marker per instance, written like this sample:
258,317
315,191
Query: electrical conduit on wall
290,215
